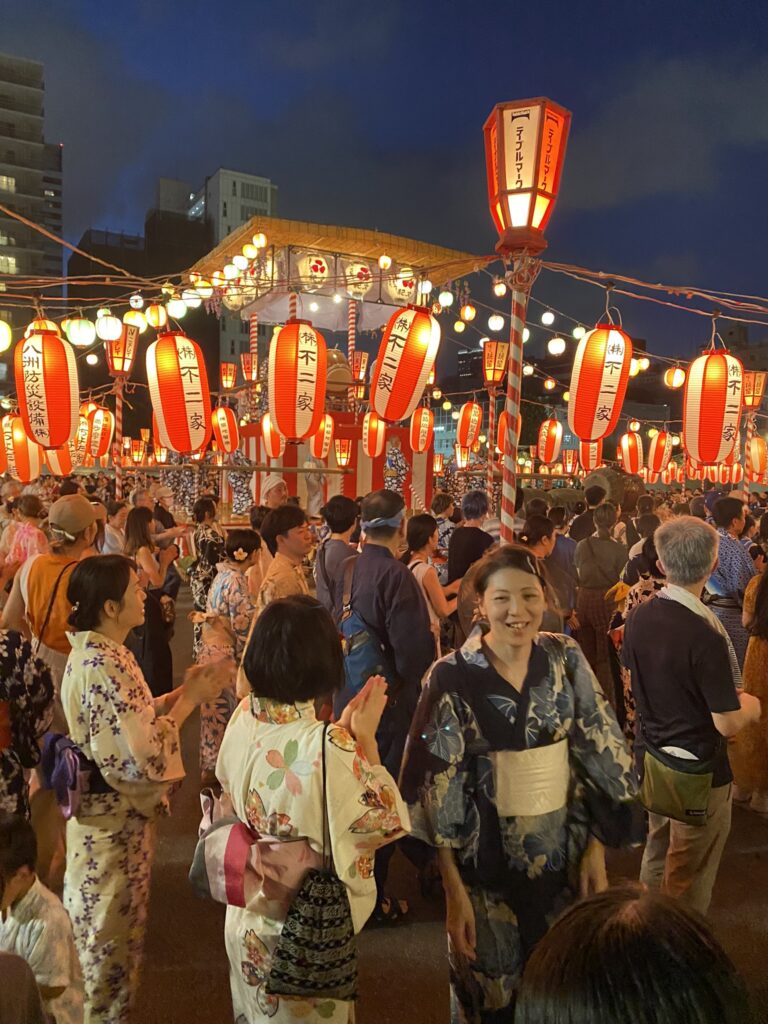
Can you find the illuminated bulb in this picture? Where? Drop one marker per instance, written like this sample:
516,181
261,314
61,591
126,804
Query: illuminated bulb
528,369
260,240
455,414
385,262
217,279
547,317
134,317
167,289
136,301
550,384
157,316
556,346
634,367
92,359
6,335
6,403
526,334
229,271
644,362
204,289
240,261
337,298
425,286
108,327
482,439
250,251
578,332
447,405
566,396
445,298
495,322
313,307
82,332
459,326
499,289
194,277
634,426
468,311
675,440
191,298
652,431
674,377
176,307
437,394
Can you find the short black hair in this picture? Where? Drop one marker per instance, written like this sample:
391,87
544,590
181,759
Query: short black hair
594,495
257,514
278,521
645,504
631,956
535,529
241,540
383,504
536,507
725,510
203,507
68,487
18,846
113,507
340,513
558,516
474,504
510,556
418,532
278,661
681,508
441,502
93,582
647,524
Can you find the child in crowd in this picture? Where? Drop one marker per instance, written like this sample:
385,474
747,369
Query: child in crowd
28,539
34,924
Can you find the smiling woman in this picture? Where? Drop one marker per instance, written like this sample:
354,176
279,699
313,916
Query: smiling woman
504,730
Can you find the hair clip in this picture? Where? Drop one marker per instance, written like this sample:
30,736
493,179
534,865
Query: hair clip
239,555
75,607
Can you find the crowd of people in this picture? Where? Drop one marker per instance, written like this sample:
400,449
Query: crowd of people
372,680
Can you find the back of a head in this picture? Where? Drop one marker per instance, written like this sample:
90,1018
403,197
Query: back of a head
687,548
647,524
627,956
645,504
257,514
68,487
30,506
698,506
725,510
536,507
594,495
441,502
605,517
557,516
241,543
474,505
340,513
279,521
138,530
18,845
382,513
420,529
536,529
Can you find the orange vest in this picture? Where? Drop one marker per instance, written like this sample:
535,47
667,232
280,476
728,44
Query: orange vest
43,574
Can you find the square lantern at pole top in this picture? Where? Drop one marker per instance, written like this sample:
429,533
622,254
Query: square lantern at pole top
754,388
121,351
525,143
495,356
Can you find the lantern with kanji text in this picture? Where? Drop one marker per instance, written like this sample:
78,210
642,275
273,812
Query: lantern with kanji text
754,388
570,461
469,424
225,429
599,382
374,433
320,443
406,357
342,448
298,371
178,388
101,428
249,364
422,429
461,454
121,351
228,375
550,440
47,388
660,451
631,448
712,406
495,357
438,463
24,456
590,455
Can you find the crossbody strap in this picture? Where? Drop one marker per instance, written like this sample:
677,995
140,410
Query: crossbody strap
327,853
50,604
323,568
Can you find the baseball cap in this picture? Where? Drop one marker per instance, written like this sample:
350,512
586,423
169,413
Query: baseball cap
71,514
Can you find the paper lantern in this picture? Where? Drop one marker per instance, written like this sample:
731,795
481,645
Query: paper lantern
754,388
101,428
359,279
157,315
342,448
669,475
570,461
320,443
524,151
599,382
406,357
81,441
121,351
469,424
693,470
228,372
225,430
590,455
422,429
274,441
47,388
550,439
374,433
249,364
178,388
24,456
298,371
313,272
631,448
81,331
660,451
758,455
674,377
461,454
501,431
736,474
712,406
543,470
359,365
438,462
402,287
59,460
108,327
495,356
161,455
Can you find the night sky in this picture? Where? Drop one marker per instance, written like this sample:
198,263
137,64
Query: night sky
370,114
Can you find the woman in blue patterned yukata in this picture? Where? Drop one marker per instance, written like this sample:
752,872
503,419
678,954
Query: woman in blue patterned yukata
516,771
129,746
227,622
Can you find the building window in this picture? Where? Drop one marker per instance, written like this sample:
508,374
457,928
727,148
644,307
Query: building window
245,327
7,183
232,347
224,208
8,265
7,239
234,188
49,192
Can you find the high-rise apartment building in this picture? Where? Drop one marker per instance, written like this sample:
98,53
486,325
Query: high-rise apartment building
30,179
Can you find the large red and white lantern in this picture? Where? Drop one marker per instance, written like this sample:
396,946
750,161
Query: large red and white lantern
712,406
374,433
422,429
501,431
759,456
25,457
599,382
660,452
178,387
320,443
550,440
274,441
81,441
59,460
590,455
469,424
101,429
631,448
298,373
406,358
225,430
47,388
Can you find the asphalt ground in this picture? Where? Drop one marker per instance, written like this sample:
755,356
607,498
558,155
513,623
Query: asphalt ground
403,972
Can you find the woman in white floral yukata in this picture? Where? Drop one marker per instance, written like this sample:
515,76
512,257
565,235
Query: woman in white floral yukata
226,622
270,764
129,742
517,772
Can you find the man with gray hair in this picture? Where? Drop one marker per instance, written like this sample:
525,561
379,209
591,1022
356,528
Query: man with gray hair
687,687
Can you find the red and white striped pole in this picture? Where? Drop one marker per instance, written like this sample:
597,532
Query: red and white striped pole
523,274
293,305
351,335
253,348
118,446
491,447
750,425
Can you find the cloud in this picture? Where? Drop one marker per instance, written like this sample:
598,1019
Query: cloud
667,131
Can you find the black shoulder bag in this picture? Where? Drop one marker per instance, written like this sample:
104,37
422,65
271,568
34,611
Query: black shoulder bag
316,954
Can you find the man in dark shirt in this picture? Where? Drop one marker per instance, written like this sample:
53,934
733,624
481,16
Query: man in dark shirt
341,516
684,685
469,542
385,594
583,526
